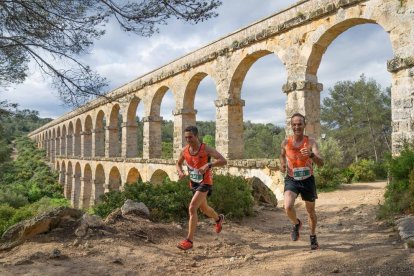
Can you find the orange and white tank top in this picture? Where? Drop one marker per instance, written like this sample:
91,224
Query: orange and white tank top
196,161
299,167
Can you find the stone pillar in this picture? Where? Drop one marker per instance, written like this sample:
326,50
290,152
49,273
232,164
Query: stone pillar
67,191
47,147
402,99
69,145
57,146
304,97
152,137
84,193
52,150
129,140
98,142
229,128
75,195
111,142
63,146
106,188
62,177
96,191
182,119
77,144
86,144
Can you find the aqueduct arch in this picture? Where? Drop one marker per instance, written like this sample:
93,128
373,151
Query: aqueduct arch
298,36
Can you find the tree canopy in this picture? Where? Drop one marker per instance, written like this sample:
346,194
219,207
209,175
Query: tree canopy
53,33
358,115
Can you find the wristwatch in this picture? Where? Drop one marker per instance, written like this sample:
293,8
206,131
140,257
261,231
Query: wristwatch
311,155
210,165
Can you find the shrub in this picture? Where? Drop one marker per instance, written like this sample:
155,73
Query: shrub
399,195
169,201
6,213
13,199
329,176
347,175
363,170
232,195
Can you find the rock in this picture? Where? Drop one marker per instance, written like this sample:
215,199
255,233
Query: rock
114,216
136,208
406,227
43,223
55,253
81,230
93,221
261,193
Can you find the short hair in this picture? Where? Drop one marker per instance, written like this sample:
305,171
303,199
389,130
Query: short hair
297,114
192,129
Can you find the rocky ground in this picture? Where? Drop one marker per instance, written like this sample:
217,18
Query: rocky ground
352,242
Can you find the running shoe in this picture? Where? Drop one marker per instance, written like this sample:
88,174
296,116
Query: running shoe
185,244
294,235
219,224
314,242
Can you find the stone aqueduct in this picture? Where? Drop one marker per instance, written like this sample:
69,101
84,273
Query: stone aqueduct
84,145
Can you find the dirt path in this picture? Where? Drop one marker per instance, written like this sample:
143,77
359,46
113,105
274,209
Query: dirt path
352,243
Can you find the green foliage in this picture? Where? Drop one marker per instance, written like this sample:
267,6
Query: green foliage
29,176
169,201
108,202
13,198
209,140
329,176
411,189
6,215
167,150
166,202
358,115
363,170
262,140
399,195
18,123
27,186
232,195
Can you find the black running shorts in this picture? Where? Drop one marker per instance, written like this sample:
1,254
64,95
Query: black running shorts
306,188
201,188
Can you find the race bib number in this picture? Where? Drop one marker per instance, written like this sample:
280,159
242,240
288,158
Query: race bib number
195,176
301,173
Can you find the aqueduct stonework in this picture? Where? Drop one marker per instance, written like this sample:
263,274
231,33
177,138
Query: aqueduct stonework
84,145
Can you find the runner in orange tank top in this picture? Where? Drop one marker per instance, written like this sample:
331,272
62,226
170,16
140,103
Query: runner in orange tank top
298,153
197,158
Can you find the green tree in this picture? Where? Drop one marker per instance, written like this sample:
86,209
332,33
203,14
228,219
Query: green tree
358,115
209,140
53,33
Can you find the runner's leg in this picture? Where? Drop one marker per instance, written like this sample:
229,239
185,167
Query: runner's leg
195,203
312,219
289,202
208,211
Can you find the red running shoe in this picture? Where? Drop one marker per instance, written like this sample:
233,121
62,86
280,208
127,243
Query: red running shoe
219,224
185,244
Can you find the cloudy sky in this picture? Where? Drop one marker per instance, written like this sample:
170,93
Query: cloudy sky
122,57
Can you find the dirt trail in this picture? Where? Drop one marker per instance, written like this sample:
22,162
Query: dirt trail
352,243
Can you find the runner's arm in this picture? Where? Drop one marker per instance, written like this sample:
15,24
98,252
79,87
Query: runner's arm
282,157
179,166
316,158
219,160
